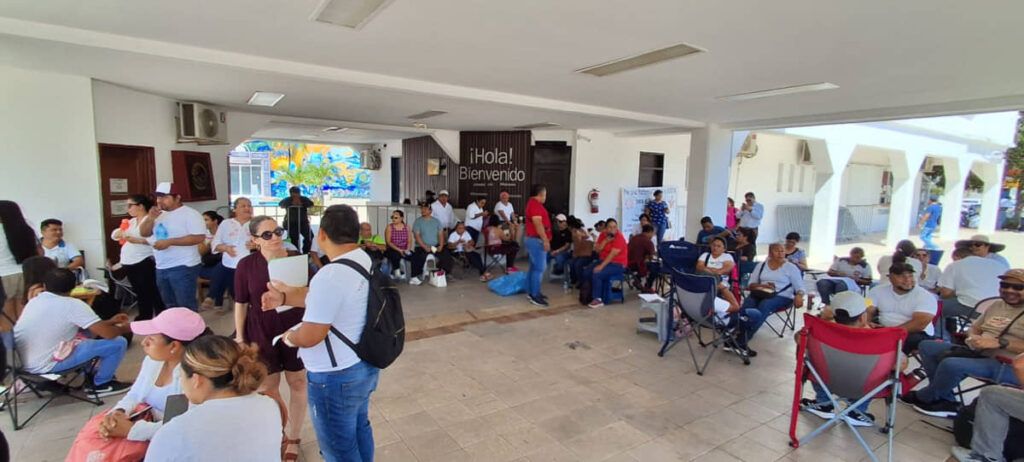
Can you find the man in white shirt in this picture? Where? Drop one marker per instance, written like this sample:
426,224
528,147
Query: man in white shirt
57,249
339,382
476,216
903,304
461,243
964,283
507,214
53,318
175,231
750,214
442,210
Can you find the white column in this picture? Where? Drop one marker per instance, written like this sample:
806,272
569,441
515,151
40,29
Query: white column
830,160
905,166
956,170
707,176
992,174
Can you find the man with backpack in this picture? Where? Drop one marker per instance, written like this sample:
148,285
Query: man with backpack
992,424
352,328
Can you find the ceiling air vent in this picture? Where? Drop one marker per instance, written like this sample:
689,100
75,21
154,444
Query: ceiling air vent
641,60
353,14
536,126
426,115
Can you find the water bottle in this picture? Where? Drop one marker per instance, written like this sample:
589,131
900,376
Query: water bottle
161,232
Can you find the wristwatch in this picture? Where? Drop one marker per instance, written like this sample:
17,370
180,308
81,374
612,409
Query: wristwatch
1003,343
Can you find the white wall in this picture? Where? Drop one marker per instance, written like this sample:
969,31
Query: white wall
610,163
775,177
380,185
50,164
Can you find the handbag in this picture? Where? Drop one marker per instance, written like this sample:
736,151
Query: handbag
438,279
764,294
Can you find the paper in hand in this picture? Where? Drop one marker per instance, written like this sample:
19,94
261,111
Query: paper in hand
293,271
279,337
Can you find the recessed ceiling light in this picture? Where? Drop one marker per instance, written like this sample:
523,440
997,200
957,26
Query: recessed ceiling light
353,14
537,125
643,59
426,115
334,129
780,91
265,98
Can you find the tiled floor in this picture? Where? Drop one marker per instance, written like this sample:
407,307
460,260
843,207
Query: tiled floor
495,379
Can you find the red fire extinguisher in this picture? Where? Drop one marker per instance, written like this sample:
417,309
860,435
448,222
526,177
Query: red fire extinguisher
592,198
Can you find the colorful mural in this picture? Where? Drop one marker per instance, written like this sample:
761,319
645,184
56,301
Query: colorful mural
348,181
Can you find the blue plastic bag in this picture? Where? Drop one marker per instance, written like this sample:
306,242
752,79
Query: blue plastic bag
509,284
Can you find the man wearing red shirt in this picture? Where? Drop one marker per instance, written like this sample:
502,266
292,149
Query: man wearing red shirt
612,254
538,242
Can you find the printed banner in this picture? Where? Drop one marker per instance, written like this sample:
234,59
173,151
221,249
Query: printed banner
633,202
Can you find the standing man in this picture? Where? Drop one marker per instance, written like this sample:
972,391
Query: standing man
339,382
507,215
429,238
929,221
750,215
476,216
296,218
443,212
175,231
538,242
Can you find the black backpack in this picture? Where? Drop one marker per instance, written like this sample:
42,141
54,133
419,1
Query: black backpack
963,432
384,334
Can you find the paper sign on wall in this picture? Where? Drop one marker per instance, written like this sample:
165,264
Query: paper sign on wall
119,207
633,202
119,186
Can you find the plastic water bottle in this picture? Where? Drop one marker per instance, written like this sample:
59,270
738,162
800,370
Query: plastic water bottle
161,232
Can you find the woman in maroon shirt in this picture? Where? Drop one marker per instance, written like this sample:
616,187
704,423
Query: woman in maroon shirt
254,325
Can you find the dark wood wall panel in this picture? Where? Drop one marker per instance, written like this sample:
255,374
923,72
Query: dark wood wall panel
416,182
491,162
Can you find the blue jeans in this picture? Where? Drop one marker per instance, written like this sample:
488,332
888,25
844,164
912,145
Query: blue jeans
560,261
945,374
829,287
177,286
599,279
110,352
659,230
748,320
765,308
821,397
538,263
926,237
577,266
221,279
339,402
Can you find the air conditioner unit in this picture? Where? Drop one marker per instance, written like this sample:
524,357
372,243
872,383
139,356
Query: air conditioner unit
749,148
202,124
804,153
370,159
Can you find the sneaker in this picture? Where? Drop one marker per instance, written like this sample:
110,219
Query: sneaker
860,419
110,388
396,274
207,304
595,303
538,301
823,410
909,398
942,408
962,454
415,281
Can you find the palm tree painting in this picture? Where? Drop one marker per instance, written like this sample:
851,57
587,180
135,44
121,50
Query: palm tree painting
318,169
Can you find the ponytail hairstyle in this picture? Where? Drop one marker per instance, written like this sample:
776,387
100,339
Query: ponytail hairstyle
226,363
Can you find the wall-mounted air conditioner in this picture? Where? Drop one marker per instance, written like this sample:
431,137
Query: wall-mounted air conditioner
202,124
370,159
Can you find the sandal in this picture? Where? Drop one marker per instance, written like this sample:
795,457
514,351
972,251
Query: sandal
288,456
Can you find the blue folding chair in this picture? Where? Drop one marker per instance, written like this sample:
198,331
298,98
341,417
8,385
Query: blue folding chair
695,296
679,256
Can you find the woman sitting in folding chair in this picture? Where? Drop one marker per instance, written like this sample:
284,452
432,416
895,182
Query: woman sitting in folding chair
776,287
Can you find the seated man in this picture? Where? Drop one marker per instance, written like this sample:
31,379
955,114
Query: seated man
55,248
373,244
428,235
929,276
964,283
998,333
843,270
640,252
51,323
612,259
980,246
476,217
462,244
903,304
709,230
996,405
561,244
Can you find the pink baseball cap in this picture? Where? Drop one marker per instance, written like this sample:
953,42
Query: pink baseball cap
180,324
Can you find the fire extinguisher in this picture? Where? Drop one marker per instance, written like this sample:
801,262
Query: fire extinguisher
592,198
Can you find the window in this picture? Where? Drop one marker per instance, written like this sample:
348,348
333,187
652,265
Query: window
247,179
652,170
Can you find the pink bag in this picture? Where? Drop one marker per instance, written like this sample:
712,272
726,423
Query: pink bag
89,446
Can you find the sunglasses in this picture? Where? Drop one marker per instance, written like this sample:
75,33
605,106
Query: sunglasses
1010,285
978,244
268,235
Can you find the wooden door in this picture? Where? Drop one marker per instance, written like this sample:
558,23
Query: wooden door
124,170
552,167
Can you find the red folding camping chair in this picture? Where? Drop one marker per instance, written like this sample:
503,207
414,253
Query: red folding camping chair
855,364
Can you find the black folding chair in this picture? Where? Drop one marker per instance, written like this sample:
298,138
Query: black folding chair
695,296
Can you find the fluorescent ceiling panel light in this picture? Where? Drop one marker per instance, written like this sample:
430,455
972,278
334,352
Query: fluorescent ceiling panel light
537,125
426,115
640,60
353,14
780,91
265,98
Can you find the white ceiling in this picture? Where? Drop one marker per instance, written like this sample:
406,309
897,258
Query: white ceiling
314,133
495,64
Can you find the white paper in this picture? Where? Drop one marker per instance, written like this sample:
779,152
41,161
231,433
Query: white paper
651,298
119,186
279,337
293,271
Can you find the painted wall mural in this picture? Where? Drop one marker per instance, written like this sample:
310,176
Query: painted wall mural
317,168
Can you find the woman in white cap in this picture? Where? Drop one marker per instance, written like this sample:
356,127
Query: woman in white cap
123,433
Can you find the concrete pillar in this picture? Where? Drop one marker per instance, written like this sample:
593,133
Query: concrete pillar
707,176
905,167
992,174
956,170
830,160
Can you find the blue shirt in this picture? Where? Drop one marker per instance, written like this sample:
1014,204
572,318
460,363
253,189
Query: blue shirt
704,236
934,212
658,210
751,219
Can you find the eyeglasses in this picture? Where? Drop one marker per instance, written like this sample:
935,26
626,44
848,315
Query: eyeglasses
395,217
1010,285
268,235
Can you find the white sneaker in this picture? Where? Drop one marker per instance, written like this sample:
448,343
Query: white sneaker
415,281
396,274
